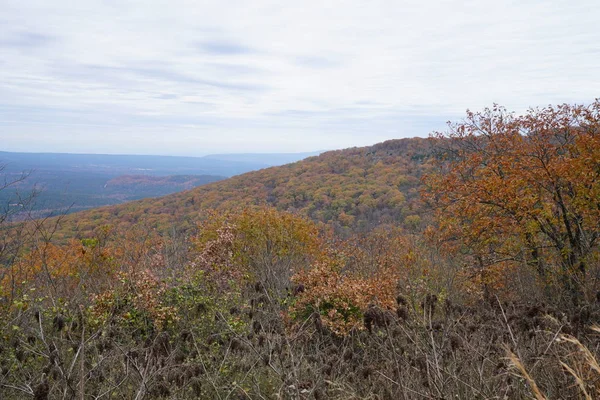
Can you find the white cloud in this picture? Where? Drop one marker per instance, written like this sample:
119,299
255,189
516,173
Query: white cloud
189,77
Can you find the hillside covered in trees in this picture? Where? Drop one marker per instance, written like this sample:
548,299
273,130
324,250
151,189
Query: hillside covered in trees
351,189
464,266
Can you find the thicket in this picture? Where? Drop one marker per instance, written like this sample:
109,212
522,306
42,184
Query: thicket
497,298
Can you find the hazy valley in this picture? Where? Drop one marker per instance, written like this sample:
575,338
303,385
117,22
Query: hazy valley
66,183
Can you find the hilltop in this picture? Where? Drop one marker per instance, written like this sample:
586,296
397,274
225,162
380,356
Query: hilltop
354,188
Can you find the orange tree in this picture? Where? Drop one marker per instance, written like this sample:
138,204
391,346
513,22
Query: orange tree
383,270
258,244
523,190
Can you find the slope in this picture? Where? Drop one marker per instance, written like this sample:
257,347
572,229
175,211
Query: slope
356,188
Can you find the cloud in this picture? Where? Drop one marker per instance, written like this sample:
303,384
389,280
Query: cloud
166,74
25,40
186,77
317,62
224,48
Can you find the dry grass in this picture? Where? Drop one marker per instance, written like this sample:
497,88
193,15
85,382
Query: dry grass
516,362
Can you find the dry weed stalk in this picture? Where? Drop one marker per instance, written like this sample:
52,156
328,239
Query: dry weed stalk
530,381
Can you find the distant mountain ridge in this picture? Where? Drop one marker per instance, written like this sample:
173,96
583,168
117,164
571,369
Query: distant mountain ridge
77,182
214,164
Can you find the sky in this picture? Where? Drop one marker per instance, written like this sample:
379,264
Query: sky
182,77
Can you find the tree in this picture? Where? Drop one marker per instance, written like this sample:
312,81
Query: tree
16,207
514,189
259,244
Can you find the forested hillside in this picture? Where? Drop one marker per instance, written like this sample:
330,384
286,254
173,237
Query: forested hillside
464,266
353,189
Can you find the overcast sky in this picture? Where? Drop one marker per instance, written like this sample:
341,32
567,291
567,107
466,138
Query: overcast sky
195,77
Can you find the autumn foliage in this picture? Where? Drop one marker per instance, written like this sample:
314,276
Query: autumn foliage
523,190
342,276
352,189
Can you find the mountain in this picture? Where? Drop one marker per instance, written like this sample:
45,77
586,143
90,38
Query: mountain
356,188
115,165
491,277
